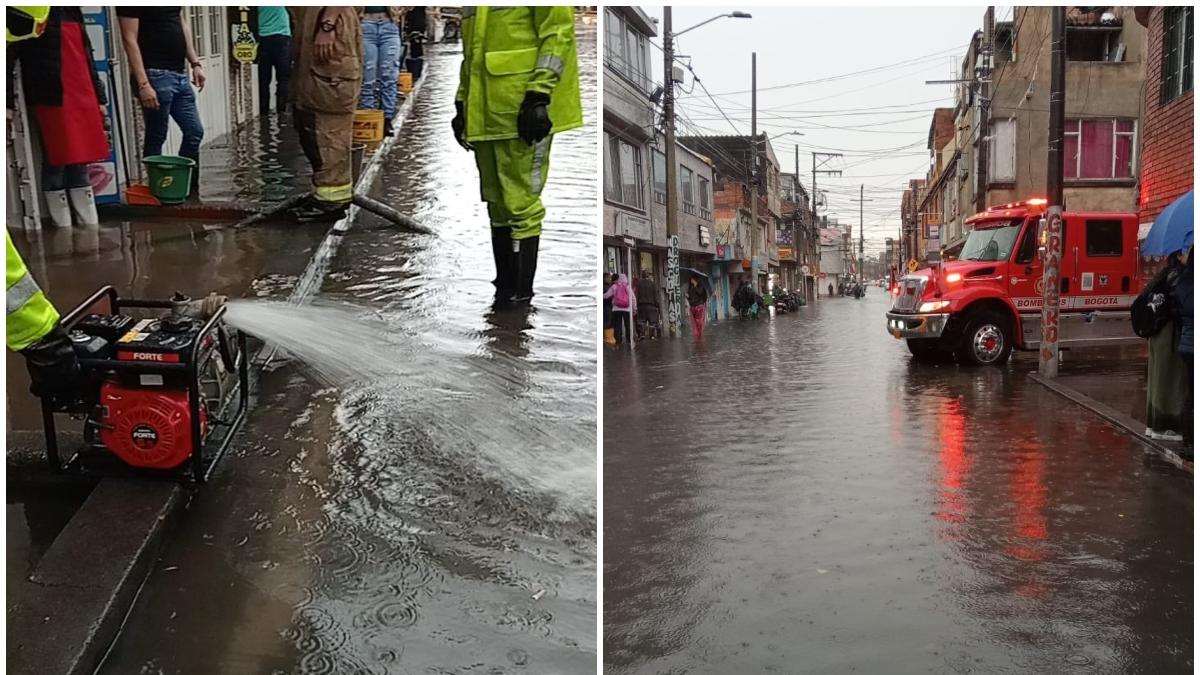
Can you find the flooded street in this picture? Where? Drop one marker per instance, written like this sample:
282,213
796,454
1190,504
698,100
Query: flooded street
798,495
439,514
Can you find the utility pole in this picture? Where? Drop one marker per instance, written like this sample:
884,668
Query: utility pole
672,205
1051,235
861,237
817,168
985,104
753,165
795,239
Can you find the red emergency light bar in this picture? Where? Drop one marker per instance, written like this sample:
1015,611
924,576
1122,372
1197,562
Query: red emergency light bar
1034,202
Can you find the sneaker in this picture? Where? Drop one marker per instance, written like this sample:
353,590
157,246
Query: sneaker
1170,436
388,129
1150,433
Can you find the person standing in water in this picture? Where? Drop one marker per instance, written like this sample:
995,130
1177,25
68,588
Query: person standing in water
698,304
518,87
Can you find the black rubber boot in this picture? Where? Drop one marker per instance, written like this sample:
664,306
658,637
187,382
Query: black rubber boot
524,256
502,256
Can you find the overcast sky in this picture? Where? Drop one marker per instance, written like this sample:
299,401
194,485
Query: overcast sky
902,46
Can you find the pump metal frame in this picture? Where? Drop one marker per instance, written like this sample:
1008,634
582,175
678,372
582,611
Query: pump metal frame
201,468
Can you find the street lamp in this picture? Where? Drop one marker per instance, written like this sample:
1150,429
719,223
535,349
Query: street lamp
674,299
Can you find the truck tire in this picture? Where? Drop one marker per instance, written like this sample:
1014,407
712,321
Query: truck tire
986,340
926,349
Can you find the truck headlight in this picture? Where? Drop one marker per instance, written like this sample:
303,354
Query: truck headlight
933,306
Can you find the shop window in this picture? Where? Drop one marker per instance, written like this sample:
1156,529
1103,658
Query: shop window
1098,149
1177,53
1103,238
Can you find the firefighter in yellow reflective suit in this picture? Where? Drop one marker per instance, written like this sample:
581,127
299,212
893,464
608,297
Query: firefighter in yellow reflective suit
32,328
519,85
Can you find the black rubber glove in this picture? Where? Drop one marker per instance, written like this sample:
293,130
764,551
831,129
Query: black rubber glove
533,122
460,125
52,365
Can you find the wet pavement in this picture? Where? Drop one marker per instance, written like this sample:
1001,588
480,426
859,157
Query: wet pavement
443,521
799,495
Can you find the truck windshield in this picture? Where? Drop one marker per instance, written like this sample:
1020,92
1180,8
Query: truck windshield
992,244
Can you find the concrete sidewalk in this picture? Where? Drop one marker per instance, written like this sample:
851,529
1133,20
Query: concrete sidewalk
65,613
1111,383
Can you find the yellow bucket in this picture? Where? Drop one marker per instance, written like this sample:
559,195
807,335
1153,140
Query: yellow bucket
404,82
368,126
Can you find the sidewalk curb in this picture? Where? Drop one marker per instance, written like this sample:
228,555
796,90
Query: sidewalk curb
1115,418
211,211
84,615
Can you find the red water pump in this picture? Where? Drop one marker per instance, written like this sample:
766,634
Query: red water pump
159,377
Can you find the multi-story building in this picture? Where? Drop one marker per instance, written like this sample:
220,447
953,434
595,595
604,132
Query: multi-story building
731,157
694,207
629,127
1168,135
1106,62
797,242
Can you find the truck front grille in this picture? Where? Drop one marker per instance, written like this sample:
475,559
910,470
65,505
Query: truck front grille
909,297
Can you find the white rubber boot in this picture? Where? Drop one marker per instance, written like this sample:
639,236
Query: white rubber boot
84,205
59,207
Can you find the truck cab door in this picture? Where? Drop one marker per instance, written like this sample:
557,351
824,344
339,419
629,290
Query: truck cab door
1101,252
1025,271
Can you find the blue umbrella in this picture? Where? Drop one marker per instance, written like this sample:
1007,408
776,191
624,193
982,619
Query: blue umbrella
1172,229
698,273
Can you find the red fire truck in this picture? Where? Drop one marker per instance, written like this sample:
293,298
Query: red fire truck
988,301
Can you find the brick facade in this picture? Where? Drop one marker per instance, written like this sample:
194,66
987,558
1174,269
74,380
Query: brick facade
1167,163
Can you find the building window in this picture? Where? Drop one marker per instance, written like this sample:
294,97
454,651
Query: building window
1100,149
623,171
1002,152
1177,53
687,189
625,49
1095,43
705,206
1103,238
660,178
1006,43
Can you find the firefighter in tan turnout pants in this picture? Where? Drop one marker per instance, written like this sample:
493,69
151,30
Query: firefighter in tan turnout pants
326,81
519,85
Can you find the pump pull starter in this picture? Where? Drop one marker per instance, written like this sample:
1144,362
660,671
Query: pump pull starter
163,385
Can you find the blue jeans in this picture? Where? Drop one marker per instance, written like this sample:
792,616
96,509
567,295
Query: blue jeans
177,101
381,61
274,53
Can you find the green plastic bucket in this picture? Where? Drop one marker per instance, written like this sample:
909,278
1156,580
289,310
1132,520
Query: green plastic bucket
170,177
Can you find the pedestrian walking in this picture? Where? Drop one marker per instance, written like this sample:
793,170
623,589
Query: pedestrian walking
329,68
698,305
164,66
831,290
1166,388
417,26
623,302
66,95
381,62
648,309
518,87
609,337
274,57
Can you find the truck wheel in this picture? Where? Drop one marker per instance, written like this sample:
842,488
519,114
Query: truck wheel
925,349
986,340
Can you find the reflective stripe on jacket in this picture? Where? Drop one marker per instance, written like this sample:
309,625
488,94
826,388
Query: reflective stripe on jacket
29,314
508,51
